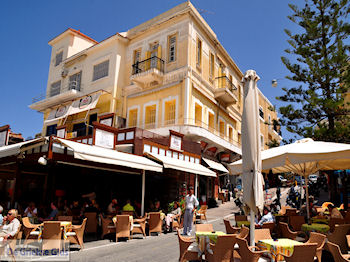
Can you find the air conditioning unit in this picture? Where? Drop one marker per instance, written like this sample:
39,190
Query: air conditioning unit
64,72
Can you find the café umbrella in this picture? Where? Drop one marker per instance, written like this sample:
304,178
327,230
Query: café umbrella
303,157
252,179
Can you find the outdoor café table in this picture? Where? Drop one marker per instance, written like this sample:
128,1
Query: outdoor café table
283,246
241,223
203,239
320,228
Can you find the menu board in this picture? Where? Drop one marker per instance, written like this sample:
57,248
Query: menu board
176,142
104,138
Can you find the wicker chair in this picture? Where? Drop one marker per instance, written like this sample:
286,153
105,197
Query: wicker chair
202,213
335,221
270,226
336,253
338,236
12,242
77,234
184,243
229,228
91,224
52,231
305,253
260,234
291,212
107,226
240,218
283,210
29,229
65,218
320,240
247,253
155,223
176,221
139,226
204,228
222,250
296,222
122,227
286,232
244,232
347,217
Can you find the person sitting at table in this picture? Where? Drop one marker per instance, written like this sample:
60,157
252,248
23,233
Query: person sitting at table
53,213
113,207
10,228
1,217
128,206
176,212
31,211
267,217
312,209
334,212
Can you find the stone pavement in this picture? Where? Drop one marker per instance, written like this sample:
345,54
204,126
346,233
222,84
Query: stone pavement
153,248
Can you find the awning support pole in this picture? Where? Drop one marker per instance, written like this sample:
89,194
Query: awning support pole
196,186
252,227
143,193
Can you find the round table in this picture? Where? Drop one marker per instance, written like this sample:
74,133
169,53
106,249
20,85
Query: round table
321,228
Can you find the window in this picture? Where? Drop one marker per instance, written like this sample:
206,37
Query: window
132,117
261,112
239,138
55,88
262,142
100,70
80,129
59,58
199,53
51,130
172,48
211,65
211,121
230,133
269,121
137,56
239,95
198,114
74,81
170,112
234,124
92,118
222,128
150,116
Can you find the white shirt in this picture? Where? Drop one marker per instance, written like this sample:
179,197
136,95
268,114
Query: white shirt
11,228
266,218
31,214
191,202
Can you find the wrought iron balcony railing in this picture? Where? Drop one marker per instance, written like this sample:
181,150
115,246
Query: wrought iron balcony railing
225,82
150,63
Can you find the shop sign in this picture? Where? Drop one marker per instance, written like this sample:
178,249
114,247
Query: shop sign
176,142
104,138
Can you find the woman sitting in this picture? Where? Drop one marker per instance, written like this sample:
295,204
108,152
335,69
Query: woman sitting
172,215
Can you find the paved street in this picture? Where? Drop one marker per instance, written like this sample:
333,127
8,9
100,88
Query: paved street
155,248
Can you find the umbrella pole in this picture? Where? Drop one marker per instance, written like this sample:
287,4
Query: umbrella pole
307,198
252,227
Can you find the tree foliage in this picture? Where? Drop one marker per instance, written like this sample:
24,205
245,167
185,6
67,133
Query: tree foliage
317,105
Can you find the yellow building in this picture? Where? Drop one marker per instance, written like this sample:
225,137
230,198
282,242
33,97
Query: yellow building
169,73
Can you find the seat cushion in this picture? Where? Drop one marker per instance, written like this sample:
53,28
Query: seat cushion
34,233
71,234
136,225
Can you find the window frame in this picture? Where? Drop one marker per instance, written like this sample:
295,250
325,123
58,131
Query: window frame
169,48
70,80
138,50
95,75
211,65
59,54
59,88
263,113
199,52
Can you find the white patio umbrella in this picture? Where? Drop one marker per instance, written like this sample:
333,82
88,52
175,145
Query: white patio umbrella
252,179
303,157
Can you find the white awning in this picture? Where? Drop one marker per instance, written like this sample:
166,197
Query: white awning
15,149
182,165
109,156
58,113
215,165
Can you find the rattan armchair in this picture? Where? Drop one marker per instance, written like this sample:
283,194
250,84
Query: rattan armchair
244,232
52,234
108,226
29,229
305,253
65,218
91,224
296,222
184,243
270,226
139,226
286,232
336,253
320,240
155,223
222,251
247,253
260,234
202,212
76,236
204,228
335,221
122,227
176,223
229,228
338,236
241,218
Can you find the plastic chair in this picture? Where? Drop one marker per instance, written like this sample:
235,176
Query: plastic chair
222,251
122,227
77,234
229,228
320,240
305,253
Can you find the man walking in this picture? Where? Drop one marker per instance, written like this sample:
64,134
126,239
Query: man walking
191,204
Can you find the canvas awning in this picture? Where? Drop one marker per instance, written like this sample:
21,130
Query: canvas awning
79,105
215,165
15,149
182,165
109,156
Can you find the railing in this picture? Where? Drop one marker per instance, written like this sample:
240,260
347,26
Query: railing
223,82
66,88
145,65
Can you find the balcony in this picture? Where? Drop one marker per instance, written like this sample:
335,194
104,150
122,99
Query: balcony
56,96
224,92
148,72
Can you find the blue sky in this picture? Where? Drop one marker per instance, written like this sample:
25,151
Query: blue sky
251,31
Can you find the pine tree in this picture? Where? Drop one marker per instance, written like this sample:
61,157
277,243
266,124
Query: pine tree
317,106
